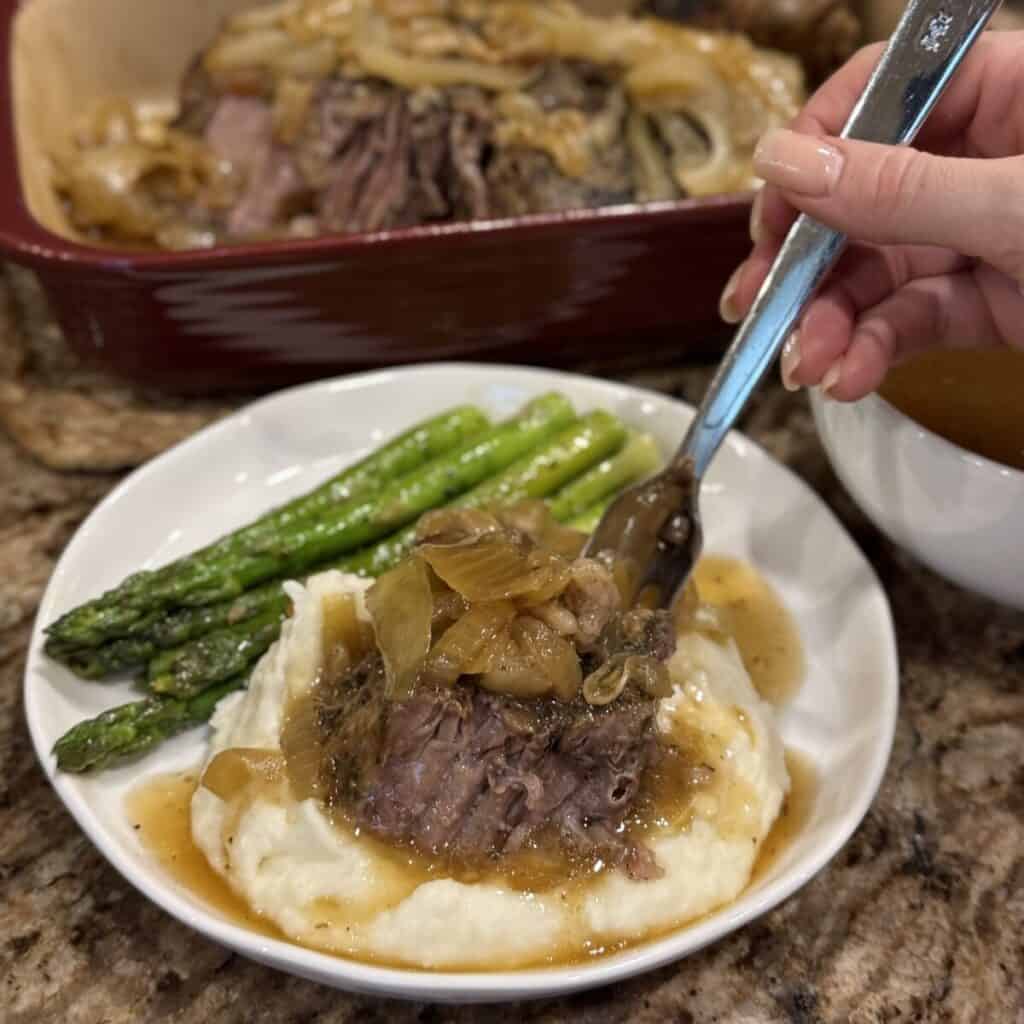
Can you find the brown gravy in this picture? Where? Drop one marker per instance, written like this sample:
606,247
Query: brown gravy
764,630
159,810
970,398
796,812
769,643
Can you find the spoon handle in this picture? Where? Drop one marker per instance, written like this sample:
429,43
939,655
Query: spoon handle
930,41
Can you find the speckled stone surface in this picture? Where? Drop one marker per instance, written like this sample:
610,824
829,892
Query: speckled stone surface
920,918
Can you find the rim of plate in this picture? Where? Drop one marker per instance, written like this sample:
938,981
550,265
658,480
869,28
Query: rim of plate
456,986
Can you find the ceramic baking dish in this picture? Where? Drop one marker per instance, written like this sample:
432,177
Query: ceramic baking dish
626,282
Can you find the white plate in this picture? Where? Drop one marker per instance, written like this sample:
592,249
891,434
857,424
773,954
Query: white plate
843,717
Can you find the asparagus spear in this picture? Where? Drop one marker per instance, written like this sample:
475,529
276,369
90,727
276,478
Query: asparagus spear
638,458
133,728
364,520
136,727
188,669
174,629
533,476
569,454
586,521
353,523
421,443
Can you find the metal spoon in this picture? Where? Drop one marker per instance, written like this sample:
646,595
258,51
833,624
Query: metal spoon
655,527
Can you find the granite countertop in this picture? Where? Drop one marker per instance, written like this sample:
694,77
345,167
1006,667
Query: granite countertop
919,918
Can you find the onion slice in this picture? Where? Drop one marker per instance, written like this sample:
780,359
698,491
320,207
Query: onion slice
494,567
401,605
531,660
467,640
607,682
238,768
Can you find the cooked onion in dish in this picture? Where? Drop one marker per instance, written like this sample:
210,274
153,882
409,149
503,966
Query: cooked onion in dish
515,768
314,116
502,598
488,573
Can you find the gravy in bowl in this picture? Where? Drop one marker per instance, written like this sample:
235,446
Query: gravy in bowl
971,398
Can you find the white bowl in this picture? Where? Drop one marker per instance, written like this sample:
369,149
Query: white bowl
959,513
841,720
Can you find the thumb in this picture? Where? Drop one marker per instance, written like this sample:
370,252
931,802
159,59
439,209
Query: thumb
898,195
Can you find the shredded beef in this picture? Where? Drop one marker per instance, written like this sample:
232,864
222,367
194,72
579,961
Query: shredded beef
468,775
467,141
372,157
428,134
240,130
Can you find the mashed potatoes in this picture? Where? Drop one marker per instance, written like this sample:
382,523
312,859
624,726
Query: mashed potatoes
328,888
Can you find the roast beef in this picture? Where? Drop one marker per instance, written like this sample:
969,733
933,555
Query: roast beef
372,157
240,131
467,775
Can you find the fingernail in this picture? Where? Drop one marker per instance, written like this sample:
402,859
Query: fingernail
798,163
789,361
830,380
727,304
755,217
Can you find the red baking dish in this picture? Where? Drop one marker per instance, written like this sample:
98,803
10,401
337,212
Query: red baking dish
635,283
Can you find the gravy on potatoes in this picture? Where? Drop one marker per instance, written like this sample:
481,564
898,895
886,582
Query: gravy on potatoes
768,643
159,811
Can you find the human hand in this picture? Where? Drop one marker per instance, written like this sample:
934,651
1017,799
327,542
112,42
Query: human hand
938,256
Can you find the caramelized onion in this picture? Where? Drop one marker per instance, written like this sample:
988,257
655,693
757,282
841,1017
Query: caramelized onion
449,607
561,133
291,107
452,525
531,660
654,182
237,768
301,745
113,121
124,185
345,638
593,598
534,519
729,90
420,72
467,640
401,608
248,49
104,186
494,567
606,683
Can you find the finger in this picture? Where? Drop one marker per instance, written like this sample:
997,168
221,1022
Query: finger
950,311
828,109
771,216
975,115
891,194
864,278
